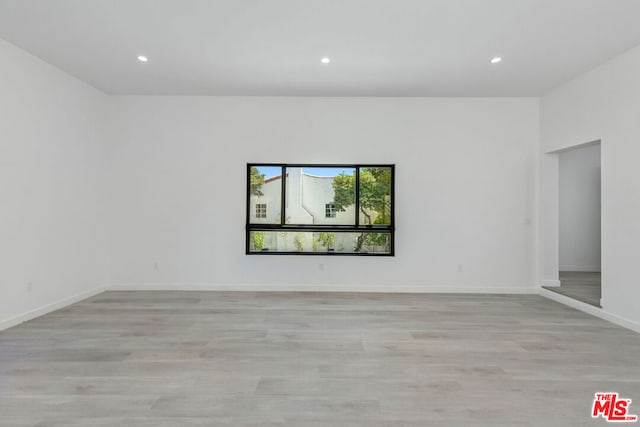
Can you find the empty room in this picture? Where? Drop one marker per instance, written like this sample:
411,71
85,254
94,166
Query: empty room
319,212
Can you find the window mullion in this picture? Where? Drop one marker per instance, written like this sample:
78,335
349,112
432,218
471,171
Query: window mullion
283,202
357,201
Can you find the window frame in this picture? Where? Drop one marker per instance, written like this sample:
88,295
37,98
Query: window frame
334,228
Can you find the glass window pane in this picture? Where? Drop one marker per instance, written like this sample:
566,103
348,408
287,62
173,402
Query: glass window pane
320,196
319,242
265,194
375,196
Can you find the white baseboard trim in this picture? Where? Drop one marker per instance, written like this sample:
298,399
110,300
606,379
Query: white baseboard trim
16,320
551,283
589,309
578,268
317,288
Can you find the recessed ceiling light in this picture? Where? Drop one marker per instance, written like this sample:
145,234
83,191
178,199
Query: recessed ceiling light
325,60
496,60
142,58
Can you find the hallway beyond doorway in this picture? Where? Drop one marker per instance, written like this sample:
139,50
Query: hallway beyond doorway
580,285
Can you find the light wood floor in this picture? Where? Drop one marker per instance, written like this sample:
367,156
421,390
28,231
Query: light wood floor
313,359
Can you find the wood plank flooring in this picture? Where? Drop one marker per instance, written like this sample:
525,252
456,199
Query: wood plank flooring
313,359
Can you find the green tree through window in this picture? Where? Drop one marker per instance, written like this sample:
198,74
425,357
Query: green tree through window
375,194
257,179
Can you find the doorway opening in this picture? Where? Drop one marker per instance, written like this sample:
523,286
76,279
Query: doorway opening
579,224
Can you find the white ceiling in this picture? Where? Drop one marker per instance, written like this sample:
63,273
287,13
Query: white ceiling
273,47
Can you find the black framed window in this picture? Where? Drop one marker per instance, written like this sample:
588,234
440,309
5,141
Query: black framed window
313,209
330,210
261,210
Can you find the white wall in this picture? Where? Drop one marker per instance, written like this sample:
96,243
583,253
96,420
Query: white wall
465,201
604,104
580,209
272,197
51,187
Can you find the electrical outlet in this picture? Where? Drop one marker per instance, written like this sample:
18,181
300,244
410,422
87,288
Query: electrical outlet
155,265
29,286
460,268
320,266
